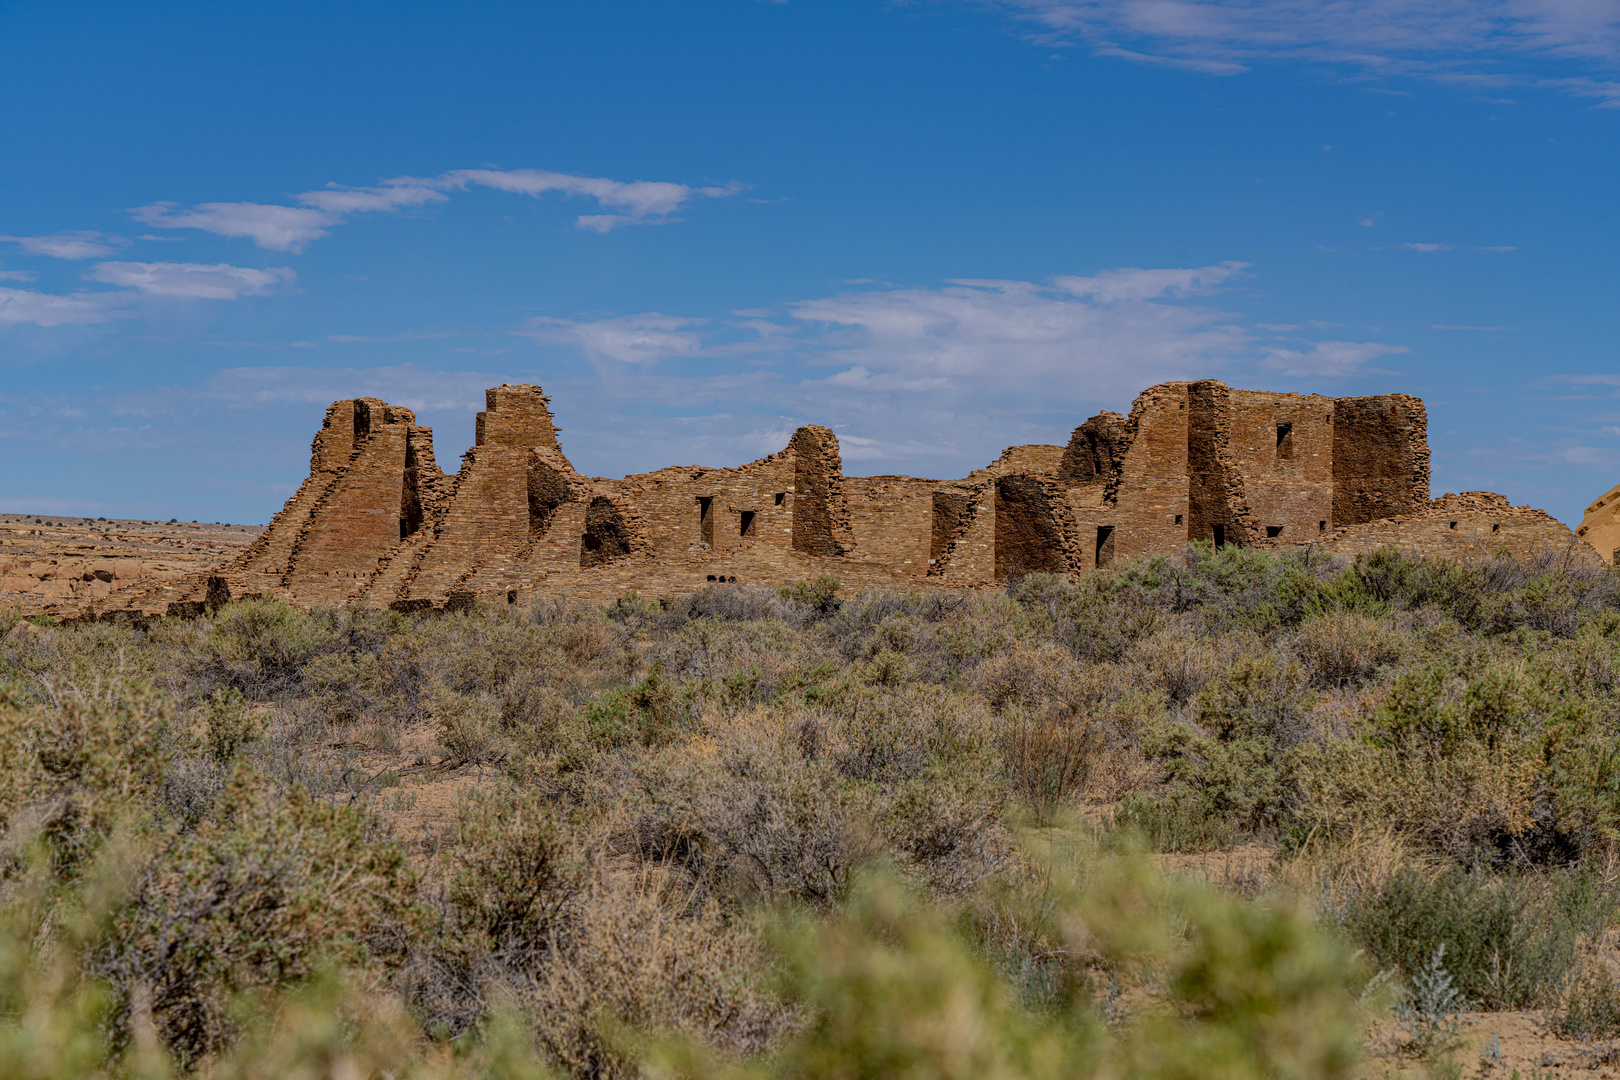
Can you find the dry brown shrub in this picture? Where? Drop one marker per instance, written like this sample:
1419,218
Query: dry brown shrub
1045,673
1345,647
1050,755
1448,804
636,955
588,640
1178,662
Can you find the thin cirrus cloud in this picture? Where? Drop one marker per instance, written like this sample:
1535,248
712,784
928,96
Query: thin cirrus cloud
628,339
19,306
192,281
1471,42
1331,359
183,281
929,378
1079,337
279,227
68,245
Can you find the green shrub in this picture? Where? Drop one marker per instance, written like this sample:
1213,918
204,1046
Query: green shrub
229,725
1589,1006
469,726
515,873
254,898
1511,942
653,711
821,594
78,766
1049,758
261,647
893,988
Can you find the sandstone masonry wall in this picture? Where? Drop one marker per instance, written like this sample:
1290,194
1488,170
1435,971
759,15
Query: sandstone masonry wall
1601,526
377,523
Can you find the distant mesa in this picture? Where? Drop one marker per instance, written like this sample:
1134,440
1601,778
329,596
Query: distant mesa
378,524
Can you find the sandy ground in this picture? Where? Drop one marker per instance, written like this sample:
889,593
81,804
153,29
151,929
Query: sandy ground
48,559
1525,1046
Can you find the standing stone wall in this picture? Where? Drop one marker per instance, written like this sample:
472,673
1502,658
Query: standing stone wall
377,523
1600,527
1380,458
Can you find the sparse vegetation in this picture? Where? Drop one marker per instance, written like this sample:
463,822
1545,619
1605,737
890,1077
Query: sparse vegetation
811,832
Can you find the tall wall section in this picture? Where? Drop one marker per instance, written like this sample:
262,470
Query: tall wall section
1380,458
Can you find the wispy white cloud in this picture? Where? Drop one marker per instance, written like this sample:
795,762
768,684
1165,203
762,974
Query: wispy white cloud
68,245
400,384
1586,380
929,378
1464,42
192,281
1075,336
292,228
1328,358
278,228
1452,326
1094,333
408,335
629,339
17,275
1427,247
1112,286
46,309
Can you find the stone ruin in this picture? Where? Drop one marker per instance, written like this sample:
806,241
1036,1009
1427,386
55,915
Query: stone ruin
1601,526
378,524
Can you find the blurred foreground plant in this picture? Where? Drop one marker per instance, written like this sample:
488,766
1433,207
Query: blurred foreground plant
896,989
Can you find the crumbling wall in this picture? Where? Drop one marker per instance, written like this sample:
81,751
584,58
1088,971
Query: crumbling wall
607,534
378,522
820,513
1600,527
969,555
1033,532
1282,447
1096,451
1380,458
1474,524
358,519
1218,505
892,521
488,517
713,513
263,567
1147,502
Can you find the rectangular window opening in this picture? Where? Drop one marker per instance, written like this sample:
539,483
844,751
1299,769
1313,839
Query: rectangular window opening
1453,524
1105,544
745,523
1285,440
1178,519
1273,531
1220,535
706,518
780,496
1496,527
1321,526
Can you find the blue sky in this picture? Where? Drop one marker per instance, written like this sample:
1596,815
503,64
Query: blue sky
938,227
